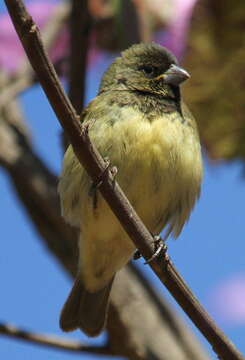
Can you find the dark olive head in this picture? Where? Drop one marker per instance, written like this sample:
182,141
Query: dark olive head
146,67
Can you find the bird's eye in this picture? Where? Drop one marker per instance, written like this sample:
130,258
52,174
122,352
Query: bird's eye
147,69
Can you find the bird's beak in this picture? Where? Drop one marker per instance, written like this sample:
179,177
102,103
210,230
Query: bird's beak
175,75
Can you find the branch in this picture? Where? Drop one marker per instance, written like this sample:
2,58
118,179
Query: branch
80,24
35,184
119,29
60,343
110,190
150,326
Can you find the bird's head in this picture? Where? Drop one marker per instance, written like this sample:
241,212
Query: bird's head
145,67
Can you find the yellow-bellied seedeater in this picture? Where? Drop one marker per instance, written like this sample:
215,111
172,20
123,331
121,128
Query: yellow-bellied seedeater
140,123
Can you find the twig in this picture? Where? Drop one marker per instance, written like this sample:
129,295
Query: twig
80,24
94,165
60,343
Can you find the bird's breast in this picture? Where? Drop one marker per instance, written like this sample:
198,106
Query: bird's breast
159,164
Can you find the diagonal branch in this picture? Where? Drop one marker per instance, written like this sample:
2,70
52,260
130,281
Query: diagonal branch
59,343
110,190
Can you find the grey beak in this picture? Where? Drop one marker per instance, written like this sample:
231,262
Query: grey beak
175,75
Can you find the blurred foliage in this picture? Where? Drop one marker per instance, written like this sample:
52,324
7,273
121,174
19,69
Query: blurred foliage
215,57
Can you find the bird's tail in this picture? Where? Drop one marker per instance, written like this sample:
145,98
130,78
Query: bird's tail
85,310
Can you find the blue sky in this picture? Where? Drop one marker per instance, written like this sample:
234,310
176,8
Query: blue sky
210,249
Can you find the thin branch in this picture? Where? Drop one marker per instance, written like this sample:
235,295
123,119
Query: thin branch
80,24
130,21
59,343
110,190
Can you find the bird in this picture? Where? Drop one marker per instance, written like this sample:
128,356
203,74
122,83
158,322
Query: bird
139,122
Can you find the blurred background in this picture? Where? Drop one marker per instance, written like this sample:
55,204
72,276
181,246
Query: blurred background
38,251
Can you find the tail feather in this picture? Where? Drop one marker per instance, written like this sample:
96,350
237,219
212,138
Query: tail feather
85,310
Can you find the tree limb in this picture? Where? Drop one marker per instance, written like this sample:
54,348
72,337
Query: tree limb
80,24
60,343
110,190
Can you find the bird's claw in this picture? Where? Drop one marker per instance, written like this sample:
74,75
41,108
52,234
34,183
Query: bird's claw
113,171
103,174
159,247
137,255
97,184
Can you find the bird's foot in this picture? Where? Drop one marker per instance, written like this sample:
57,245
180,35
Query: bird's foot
159,246
86,126
97,184
137,255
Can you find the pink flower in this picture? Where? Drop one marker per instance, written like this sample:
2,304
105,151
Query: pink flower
175,35
227,300
11,51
